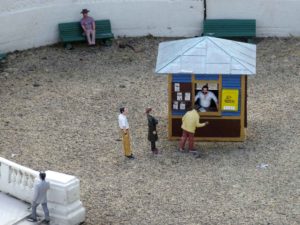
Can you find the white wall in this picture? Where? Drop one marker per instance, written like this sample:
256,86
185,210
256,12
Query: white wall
273,17
32,23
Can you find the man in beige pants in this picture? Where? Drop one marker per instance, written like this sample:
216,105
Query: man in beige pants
124,126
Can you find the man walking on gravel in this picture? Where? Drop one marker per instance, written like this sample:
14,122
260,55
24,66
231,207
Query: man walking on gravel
124,126
40,197
190,121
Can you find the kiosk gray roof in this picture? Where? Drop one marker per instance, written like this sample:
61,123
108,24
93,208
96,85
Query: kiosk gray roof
206,55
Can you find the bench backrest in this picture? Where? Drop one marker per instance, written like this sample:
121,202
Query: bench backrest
103,26
73,31
70,29
73,28
229,28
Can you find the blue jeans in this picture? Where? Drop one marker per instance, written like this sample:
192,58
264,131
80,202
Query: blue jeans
45,208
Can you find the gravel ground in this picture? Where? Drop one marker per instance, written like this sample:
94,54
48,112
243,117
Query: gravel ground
59,112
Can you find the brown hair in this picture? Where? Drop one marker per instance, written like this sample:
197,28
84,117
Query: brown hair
148,110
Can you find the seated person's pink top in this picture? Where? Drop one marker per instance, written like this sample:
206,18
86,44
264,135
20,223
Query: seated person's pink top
87,23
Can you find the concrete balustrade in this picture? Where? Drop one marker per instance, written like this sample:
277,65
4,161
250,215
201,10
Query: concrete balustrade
17,180
63,197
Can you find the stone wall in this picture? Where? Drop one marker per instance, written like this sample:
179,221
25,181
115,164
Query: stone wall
32,23
273,17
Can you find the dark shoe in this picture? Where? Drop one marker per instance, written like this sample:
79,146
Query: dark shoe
155,152
31,219
130,157
46,221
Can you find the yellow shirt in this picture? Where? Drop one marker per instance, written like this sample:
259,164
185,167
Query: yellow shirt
190,121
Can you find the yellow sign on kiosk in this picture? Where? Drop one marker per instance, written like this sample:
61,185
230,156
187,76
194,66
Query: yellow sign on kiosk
230,100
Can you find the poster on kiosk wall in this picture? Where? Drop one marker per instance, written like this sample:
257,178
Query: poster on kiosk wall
230,100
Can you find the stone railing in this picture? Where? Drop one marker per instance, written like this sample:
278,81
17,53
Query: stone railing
63,197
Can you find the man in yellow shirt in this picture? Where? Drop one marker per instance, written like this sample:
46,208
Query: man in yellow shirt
190,121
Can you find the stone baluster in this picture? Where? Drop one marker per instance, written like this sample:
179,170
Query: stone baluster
18,177
30,181
13,175
24,181
10,175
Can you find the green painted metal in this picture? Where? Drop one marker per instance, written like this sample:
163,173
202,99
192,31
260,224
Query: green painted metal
230,28
2,56
71,32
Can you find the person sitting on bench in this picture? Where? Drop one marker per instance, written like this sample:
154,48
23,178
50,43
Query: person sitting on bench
89,27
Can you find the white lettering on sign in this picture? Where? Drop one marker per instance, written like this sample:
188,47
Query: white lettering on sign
229,108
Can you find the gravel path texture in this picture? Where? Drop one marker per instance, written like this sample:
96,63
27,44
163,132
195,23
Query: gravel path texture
59,108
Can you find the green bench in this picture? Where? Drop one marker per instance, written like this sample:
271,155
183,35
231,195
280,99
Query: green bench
2,56
72,32
230,28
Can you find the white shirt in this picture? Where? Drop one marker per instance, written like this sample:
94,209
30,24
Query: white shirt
206,99
123,122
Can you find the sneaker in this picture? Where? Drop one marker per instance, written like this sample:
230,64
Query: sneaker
31,219
181,150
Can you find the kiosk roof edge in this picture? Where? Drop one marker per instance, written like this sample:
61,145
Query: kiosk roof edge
206,55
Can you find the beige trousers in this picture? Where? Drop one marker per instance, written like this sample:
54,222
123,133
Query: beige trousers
126,143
